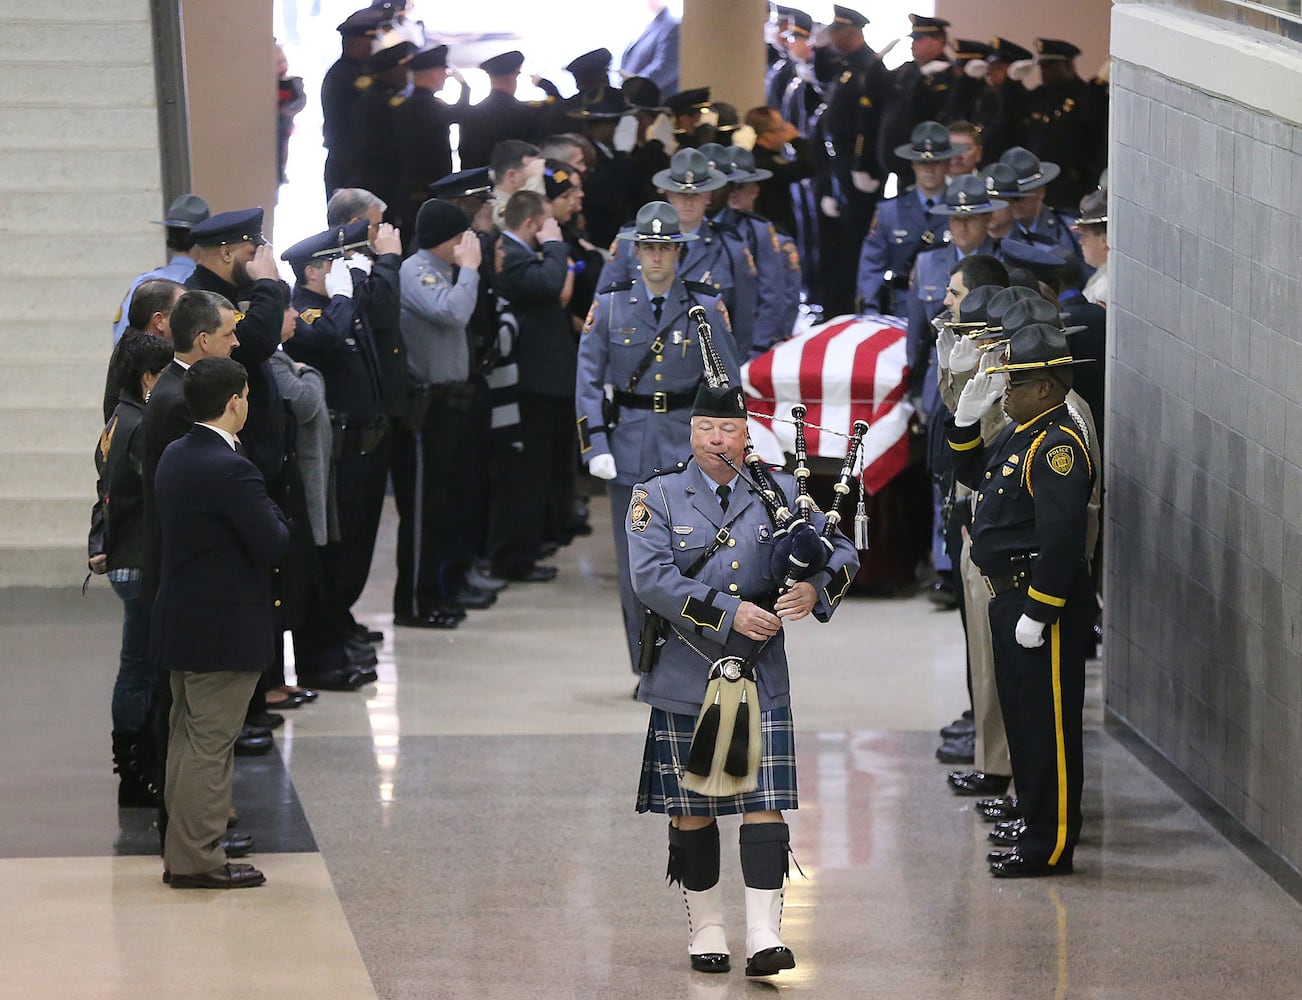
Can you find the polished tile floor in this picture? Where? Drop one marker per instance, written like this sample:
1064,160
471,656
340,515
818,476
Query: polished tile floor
465,828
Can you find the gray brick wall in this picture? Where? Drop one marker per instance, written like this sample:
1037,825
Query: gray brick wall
1204,474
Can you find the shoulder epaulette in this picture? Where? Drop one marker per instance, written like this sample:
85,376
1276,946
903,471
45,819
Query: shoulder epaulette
618,286
700,286
657,473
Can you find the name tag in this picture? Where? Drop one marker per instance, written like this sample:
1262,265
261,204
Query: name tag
682,529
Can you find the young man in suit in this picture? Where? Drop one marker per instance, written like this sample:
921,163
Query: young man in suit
214,623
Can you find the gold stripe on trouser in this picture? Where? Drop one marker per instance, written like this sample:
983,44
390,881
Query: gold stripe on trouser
991,737
1055,653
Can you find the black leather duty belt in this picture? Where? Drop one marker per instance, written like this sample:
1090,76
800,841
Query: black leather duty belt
997,585
657,402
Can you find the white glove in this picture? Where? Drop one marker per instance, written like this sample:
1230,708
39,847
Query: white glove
626,134
1021,70
976,69
945,341
1029,632
864,181
977,397
339,279
359,262
934,67
603,466
964,356
663,129
829,206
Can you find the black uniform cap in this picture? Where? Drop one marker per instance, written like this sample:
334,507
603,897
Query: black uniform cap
799,23
642,94
329,245
393,56
1048,49
1008,52
847,16
1030,311
590,64
507,64
609,106
243,226
364,23
1002,300
689,100
927,27
965,50
476,182
435,57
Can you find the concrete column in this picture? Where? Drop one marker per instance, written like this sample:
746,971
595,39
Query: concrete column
722,46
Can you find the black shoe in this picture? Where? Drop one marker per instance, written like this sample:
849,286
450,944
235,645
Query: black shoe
962,726
360,654
343,679
711,962
474,599
538,574
225,877
1008,834
1000,854
253,742
978,783
237,866
770,961
1017,866
365,675
548,549
959,751
363,634
289,702
482,579
431,619
999,810
264,720
237,845
943,594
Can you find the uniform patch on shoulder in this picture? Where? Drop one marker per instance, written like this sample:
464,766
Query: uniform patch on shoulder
640,494
310,316
429,279
639,515
1061,459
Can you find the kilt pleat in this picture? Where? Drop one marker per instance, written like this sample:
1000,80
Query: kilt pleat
668,742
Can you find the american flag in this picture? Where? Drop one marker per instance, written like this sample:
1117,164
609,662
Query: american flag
847,369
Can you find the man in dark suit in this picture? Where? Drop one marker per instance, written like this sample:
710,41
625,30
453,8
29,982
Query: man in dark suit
536,278
214,624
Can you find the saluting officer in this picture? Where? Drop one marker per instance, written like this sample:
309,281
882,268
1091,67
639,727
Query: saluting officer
422,122
1028,533
1000,111
968,81
639,367
1033,220
500,115
920,88
1067,122
341,89
718,259
907,225
380,157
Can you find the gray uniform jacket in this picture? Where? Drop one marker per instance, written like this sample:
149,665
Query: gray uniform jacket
619,331
304,390
671,521
435,311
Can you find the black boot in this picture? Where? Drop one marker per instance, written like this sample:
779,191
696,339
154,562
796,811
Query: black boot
133,762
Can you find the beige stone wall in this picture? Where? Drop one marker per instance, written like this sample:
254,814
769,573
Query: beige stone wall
1084,23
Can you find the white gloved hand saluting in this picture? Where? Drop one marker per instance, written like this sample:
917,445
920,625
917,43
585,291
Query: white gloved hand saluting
981,392
339,279
602,466
965,355
864,181
1029,632
359,262
829,206
945,342
626,134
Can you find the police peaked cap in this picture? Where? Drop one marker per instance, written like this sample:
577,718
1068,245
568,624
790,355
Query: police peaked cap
642,94
243,226
363,23
688,100
507,64
435,57
927,27
334,242
590,64
657,222
476,182
1008,52
847,16
966,49
689,173
1047,49
393,57
928,143
799,23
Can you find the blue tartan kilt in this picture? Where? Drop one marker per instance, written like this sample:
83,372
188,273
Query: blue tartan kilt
668,742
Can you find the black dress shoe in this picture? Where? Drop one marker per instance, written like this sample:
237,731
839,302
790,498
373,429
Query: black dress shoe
957,751
473,598
1017,866
548,549
431,619
225,877
770,961
711,962
1007,834
943,594
360,654
962,726
538,574
237,866
236,845
253,743
978,783
365,675
287,703
343,679
1000,814
998,802
363,634
265,720
1000,854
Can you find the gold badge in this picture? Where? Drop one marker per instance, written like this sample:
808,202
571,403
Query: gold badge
1061,459
310,316
239,317
639,515
429,279
1009,470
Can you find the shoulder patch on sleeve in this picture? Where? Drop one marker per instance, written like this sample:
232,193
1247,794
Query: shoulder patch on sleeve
310,316
750,261
239,317
639,515
1061,459
703,615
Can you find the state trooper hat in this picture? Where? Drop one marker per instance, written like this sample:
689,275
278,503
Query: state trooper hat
689,173
743,162
721,159
243,226
1093,210
1037,347
928,143
1032,310
507,64
1001,181
1032,172
1044,260
185,212
927,27
972,315
329,245
590,64
967,195
657,222
1003,300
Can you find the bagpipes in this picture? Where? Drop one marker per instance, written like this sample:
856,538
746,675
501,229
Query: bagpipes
730,767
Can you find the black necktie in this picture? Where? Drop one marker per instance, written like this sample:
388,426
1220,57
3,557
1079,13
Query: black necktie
658,306
723,492
931,203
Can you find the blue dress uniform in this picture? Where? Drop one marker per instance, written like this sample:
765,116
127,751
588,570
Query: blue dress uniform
1049,228
903,228
1028,534
653,428
772,286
